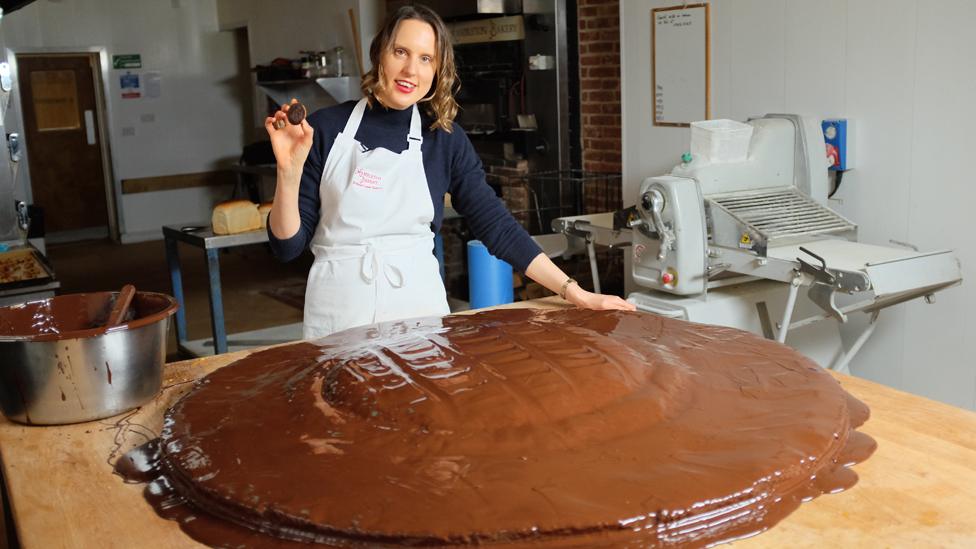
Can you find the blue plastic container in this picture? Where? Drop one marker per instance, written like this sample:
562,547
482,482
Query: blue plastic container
489,278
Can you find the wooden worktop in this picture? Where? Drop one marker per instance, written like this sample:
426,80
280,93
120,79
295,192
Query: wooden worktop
919,488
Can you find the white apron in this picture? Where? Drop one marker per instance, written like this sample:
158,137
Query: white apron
373,245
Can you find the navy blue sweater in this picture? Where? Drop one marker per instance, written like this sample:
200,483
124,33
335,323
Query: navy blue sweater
451,165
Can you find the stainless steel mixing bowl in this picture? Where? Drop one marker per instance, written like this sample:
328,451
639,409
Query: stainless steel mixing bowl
59,364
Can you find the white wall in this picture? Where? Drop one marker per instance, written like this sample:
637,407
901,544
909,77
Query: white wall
903,70
195,125
286,29
283,29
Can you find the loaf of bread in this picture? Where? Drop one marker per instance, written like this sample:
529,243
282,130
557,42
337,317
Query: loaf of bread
264,209
236,216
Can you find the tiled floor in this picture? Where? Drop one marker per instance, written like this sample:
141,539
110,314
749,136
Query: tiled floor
246,272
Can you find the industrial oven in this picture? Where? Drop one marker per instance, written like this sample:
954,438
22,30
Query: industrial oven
512,61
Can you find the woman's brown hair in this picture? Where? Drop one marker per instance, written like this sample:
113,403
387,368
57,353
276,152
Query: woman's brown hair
441,105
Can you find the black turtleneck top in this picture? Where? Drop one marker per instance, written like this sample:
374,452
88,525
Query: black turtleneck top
451,166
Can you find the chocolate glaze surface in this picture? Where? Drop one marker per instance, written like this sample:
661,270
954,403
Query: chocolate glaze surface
564,428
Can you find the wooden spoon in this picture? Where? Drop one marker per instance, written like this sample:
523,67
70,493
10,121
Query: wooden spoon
121,307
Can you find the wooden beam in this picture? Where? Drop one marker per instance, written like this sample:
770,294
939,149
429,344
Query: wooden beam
179,181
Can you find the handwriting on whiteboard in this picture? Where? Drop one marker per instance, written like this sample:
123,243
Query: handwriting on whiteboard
658,102
674,19
680,64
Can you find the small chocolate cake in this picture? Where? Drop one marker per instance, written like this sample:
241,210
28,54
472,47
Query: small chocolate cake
296,113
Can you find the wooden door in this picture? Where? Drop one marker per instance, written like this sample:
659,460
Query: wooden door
62,138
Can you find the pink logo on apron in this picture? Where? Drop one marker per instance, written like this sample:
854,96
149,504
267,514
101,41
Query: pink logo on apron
367,180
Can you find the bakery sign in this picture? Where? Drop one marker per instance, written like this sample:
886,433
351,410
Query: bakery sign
497,29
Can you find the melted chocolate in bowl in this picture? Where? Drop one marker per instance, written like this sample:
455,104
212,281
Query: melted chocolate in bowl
60,363
563,428
83,315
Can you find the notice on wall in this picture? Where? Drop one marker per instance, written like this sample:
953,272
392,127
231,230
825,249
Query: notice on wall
153,84
129,84
679,64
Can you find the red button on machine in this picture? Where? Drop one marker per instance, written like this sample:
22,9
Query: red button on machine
667,278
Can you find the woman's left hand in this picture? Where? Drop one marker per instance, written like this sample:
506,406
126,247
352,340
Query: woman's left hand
589,300
545,272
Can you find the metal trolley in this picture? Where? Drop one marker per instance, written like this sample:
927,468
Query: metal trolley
561,193
539,200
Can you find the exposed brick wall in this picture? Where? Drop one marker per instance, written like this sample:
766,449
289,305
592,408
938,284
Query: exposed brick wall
599,51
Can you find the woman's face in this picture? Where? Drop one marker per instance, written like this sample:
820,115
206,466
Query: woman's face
409,65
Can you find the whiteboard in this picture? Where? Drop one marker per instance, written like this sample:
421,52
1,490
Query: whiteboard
679,64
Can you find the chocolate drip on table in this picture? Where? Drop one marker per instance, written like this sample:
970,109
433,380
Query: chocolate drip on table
513,427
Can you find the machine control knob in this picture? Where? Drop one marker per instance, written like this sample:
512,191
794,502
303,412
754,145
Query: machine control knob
646,202
667,278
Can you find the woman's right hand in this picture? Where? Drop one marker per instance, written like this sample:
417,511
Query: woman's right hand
290,143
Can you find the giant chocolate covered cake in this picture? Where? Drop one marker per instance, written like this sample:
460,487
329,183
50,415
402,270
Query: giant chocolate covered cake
511,427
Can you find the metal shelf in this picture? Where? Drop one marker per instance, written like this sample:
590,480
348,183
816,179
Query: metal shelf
314,93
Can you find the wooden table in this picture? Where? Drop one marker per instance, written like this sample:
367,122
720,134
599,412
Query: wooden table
919,488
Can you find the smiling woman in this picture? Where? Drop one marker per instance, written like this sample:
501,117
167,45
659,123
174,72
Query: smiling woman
409,67
363,183
413,62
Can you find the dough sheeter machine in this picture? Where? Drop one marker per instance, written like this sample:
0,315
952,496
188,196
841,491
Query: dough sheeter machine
725,242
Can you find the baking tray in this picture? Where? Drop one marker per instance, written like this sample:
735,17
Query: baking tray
14,258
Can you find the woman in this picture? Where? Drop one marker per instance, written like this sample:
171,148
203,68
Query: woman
363,184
